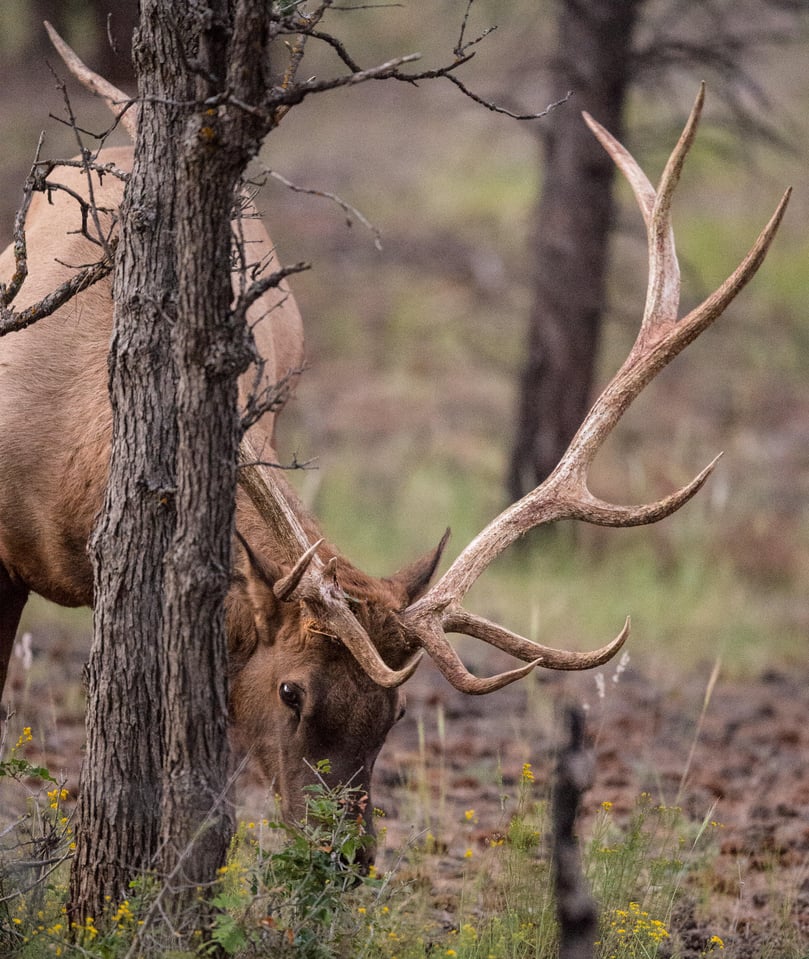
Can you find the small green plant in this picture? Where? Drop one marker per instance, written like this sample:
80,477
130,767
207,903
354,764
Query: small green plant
294,900
33,847
638,870
303,892
18,767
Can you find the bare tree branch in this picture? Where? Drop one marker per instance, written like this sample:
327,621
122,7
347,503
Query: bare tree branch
37,182
11,321
461,47
351,212
269,398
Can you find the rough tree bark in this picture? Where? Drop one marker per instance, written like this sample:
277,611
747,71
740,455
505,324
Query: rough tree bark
155,778
569,247
159,662
211,350
118,828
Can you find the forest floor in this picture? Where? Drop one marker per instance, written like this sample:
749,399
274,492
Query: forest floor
729,752
734,754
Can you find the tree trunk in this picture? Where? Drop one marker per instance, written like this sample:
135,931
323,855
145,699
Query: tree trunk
211,350
573,220
118,824
154,795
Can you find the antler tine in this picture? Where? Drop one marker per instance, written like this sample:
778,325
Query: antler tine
663,293
564,494
306,580
118,102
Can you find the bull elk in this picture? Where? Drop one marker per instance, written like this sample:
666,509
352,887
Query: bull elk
319,650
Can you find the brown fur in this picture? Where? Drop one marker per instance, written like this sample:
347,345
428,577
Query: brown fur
55,427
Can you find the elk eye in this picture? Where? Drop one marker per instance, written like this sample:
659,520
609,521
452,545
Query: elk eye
401,713
290,696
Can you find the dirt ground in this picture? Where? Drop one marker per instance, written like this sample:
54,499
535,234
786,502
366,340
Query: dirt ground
739,761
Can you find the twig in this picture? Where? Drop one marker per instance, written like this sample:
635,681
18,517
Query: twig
461,47
259,287
88,207
350,211
295,464
268,398
32,182
498,109
11,321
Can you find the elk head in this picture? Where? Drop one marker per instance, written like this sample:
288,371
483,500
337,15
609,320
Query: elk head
298,693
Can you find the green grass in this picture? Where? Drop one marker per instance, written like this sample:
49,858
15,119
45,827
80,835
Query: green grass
305,898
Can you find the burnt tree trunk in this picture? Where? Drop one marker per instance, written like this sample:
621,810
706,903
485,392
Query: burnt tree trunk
573,220
576,909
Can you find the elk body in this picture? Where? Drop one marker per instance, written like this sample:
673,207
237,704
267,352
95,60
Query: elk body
318,649
55,431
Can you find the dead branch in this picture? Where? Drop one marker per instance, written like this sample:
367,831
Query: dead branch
268,398
32,182
11,321
37,182
259,287
109,93
462,46
351,212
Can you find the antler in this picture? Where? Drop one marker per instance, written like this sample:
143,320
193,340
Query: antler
564,494
310,580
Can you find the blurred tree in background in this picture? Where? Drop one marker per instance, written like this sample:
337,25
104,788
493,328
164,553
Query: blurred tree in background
603,49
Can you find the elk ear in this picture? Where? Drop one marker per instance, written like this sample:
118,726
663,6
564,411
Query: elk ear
415,578
259,581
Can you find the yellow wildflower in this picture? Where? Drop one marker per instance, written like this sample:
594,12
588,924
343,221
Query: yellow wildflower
25,737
